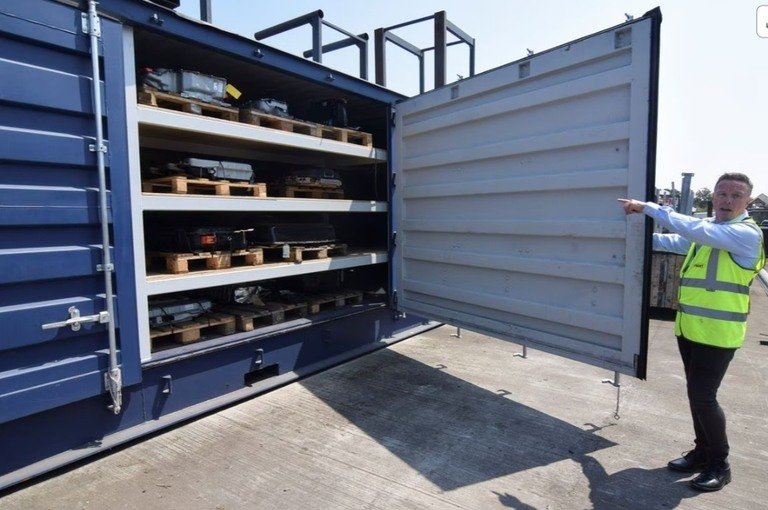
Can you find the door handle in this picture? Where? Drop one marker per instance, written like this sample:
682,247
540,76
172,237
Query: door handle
75,320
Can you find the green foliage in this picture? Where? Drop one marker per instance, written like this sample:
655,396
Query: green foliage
701,198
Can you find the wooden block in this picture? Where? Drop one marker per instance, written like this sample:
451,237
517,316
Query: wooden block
254,258
177,265
220,260
189,336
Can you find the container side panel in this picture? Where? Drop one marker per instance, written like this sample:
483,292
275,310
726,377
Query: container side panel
505,199
50,234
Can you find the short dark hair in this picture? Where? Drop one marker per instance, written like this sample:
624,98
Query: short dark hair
735,176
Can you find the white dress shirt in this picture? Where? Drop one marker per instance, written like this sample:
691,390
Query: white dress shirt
742,241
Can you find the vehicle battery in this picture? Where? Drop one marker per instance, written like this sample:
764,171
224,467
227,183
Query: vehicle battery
292,233
165,312
271,106
164,80
197,240
212,169
323,177
204,87
331,112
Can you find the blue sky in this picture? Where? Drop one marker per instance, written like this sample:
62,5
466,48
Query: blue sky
713,88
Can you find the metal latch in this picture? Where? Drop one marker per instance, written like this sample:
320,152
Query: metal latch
75,320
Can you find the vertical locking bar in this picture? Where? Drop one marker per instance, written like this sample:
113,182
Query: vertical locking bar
113,378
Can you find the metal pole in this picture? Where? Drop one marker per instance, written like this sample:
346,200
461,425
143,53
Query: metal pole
422,72
380,56
113,378
364,58
205,11
616,382
685,194
317,39
441,36
361,41
472,58
287,25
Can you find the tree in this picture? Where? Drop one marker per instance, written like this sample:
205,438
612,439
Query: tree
702,198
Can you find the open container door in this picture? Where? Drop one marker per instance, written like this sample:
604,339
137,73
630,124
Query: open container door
505,193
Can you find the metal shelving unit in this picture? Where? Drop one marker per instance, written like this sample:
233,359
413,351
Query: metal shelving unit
169,130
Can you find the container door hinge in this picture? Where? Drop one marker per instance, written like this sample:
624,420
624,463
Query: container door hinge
113,380
394,238
394,298
75,320
392,117
90,24
393,181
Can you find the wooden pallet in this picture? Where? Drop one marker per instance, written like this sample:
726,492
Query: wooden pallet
176,102
250,317
332,300
307,192
356,137
210,324
177,263
258,118
297,253
183,185
665,279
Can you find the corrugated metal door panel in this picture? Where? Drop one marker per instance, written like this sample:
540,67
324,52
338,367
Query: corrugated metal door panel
53,385
505,199
49,23
20,144
46,88
49,223
20,323
31,205
47,263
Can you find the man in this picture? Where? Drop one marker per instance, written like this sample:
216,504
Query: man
723,257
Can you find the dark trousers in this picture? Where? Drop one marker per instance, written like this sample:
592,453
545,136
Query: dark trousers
705,367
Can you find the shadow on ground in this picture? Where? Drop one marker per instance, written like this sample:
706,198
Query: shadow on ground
452,432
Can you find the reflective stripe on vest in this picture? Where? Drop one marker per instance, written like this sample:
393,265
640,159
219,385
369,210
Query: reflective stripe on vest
713,314
714,311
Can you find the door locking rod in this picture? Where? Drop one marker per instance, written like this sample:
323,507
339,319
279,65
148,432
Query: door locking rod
75,320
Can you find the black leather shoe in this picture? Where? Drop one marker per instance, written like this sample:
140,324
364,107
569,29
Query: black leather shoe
691,462
712,479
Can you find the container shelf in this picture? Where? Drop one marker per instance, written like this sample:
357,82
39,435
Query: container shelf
165,283
167,128
169,202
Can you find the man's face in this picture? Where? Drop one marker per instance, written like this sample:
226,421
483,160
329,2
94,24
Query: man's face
730,200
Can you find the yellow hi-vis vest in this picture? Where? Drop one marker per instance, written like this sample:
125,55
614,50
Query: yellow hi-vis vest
714,296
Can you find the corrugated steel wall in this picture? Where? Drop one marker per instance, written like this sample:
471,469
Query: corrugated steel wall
50,240
507,217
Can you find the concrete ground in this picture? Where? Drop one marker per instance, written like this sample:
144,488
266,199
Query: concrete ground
442,422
